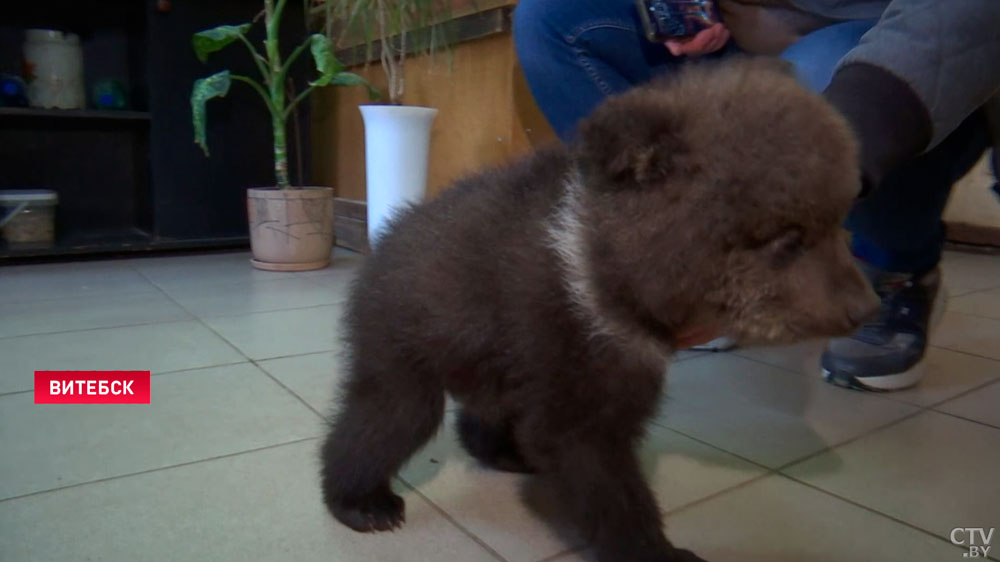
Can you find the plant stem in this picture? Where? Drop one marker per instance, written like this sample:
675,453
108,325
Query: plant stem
296,136
387,56
256,58
291,58
277,91
305,93
279,10
256,86
400,67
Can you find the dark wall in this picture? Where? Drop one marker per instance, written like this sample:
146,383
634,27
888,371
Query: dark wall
192,193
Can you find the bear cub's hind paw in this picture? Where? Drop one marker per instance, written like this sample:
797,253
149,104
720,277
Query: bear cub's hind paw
380,510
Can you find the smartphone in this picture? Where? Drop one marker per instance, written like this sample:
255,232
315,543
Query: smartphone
672,19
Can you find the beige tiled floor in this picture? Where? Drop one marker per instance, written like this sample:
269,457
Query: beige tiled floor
753,457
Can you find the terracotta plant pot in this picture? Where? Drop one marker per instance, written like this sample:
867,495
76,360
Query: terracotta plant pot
290,229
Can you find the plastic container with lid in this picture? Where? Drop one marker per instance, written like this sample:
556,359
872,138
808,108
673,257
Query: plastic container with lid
53,65
27,217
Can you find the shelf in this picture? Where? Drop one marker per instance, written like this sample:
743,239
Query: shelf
95,114
114,241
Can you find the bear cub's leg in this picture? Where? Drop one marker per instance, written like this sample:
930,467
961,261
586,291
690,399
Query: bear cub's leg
385,419
490,443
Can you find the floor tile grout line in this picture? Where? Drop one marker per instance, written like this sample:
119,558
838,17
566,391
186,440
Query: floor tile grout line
339,301
674,359
803,458
995,379
711,445
189,369
972,314
174,300
781,470
867,508
149,470
718,493
197,319
475,538
666,513
566,552
218,284
97,328
159,374
328,304
889,395
972,292
282,276
293,355
241,314
766,470
100,295
963,313
969,353
244,355
309,279
290,391
963,418
920,411
232,345
787,370
251,360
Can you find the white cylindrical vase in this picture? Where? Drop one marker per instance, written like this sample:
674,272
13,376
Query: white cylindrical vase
397,148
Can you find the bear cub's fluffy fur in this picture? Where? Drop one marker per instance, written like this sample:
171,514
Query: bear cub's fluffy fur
546,296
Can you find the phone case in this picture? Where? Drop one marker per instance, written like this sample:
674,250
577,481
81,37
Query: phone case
671,19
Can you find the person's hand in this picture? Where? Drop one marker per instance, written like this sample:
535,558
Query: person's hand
704,42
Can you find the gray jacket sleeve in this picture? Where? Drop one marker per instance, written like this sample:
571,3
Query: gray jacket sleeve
947,51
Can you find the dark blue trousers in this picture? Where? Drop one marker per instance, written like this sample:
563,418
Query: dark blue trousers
575,53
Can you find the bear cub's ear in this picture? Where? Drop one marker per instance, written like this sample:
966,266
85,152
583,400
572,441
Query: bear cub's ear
632,141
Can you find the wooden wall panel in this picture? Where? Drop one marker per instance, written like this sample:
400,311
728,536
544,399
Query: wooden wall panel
486,116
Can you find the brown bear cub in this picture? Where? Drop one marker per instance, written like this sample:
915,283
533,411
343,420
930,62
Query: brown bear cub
546,296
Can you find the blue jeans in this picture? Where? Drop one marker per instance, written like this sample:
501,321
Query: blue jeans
575,53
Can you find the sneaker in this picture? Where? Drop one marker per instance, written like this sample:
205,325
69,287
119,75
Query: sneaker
718,344
887,354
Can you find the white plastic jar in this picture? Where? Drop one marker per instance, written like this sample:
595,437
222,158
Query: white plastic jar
53,63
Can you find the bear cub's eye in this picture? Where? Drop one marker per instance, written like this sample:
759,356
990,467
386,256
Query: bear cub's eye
786,247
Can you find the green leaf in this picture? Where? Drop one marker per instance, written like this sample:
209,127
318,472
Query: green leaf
214,39
214,86
331,70
326,62
352,79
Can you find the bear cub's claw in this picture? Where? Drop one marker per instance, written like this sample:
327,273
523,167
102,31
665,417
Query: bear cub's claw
380,510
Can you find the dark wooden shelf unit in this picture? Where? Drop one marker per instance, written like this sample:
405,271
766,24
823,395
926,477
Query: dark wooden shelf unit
133,180
101,114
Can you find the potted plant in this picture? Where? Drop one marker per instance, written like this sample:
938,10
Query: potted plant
291,229
397,136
